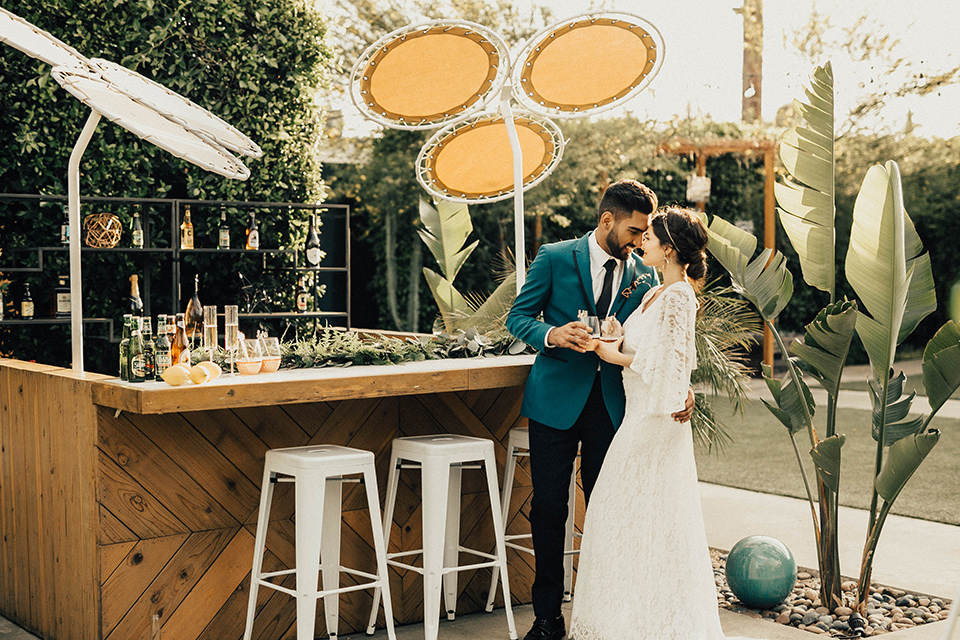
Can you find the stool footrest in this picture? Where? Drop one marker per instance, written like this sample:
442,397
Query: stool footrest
376,583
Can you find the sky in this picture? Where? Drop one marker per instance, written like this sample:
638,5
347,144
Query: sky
702,68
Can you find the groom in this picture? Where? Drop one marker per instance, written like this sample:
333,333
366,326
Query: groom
572,399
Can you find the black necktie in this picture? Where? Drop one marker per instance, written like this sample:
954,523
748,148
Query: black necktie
603,302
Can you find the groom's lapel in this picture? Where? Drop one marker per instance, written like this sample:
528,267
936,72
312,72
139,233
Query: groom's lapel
581,262
629,273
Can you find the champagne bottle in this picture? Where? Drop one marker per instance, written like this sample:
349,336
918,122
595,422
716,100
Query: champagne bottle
26,305
162,347
186,230
137,229
136,303
223,230
149,350
253,233
138,359
61,298
180,348
302,296
312,246
193,318
65,226
125,348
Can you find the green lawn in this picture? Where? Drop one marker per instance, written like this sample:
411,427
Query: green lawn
761,458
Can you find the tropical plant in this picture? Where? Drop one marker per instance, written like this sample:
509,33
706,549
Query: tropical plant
890,273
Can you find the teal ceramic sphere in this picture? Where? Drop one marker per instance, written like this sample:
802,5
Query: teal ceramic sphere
761,571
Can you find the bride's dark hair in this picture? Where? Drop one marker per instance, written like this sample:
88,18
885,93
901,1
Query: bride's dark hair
683,230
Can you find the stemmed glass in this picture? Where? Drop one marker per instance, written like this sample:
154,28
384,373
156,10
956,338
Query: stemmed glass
231,331
210,330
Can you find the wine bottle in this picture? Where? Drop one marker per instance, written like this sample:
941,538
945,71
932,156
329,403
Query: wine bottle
138,359
312,246
137,229
2,304
61,298
162,347
26,305
149,350
125,348
65,226
136,303
253,233
223,230
186,230
302,296
193,317
180,347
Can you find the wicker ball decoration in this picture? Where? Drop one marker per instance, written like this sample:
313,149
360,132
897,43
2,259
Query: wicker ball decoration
103,230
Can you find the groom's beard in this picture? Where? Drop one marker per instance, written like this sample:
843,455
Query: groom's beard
617,250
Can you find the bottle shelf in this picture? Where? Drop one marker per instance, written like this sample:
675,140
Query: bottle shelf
251,251
293,314
54,321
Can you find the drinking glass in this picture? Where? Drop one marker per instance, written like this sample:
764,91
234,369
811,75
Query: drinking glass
593,322
210,330
250,359
231,331
270,348
610,330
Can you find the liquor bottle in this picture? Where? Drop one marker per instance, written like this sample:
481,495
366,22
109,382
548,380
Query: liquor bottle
180,347
223,231
253,233
138,359
137,229
162,347
302,296
136,303
26,305
61,298
65,226
149,350
193,317
312,246
186,230
125,348
2,303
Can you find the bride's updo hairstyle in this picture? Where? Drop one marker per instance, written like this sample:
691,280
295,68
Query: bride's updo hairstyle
683,230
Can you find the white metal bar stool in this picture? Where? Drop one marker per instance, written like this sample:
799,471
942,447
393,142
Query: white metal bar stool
441,458
318,521
518,446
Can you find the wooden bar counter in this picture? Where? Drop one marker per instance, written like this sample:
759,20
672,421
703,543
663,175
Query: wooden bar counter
120,501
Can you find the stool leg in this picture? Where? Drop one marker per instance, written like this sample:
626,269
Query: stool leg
495,510
393,480
451,543
568,539
309,504
380,548
263,517
508,475
330,552
436,479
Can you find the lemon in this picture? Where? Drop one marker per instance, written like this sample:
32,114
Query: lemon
200,374
212,367
175,376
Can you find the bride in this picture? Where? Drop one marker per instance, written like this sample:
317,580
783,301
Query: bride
645,569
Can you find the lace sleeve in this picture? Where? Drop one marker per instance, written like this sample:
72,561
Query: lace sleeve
670,358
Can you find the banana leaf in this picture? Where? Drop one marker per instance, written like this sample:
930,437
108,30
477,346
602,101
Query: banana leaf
896,409
826,342
788,400
921,294
876,264
445,230
903,458
941,365
826,457
452,305
491,314
806,203
768,286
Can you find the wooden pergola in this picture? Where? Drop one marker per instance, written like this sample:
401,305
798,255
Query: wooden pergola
701,151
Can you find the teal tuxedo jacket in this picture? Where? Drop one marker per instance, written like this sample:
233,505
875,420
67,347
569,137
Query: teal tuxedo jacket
559,284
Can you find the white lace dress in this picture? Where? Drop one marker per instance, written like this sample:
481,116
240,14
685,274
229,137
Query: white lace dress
645,570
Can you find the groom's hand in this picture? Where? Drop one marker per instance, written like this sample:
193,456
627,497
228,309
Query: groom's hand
573,335
687,413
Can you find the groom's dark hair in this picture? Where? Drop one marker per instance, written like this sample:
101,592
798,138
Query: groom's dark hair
626,196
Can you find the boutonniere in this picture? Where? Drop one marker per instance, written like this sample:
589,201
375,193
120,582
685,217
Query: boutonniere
626,293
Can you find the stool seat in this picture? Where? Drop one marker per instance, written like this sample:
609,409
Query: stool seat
318,457
450,446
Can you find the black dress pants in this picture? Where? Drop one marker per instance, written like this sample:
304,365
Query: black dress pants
553,453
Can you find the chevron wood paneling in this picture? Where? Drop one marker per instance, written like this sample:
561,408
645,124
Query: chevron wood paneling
178,496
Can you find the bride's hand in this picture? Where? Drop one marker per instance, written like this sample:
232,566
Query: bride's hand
609,351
